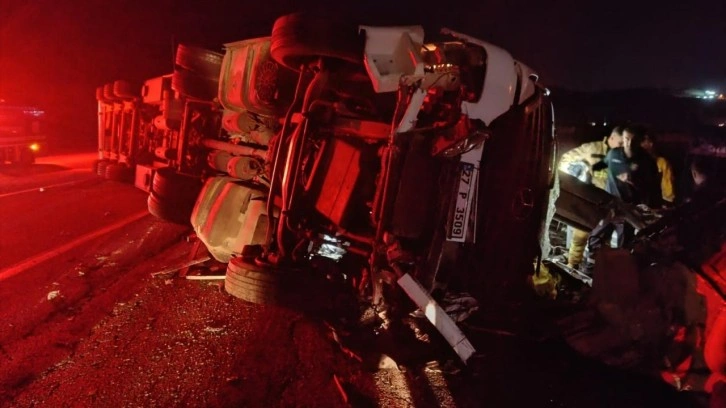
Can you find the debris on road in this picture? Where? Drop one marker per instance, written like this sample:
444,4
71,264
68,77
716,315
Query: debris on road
182,266
387,363
489,330
213,329
340,388
205,277
348,352
449,367
459,308
53,294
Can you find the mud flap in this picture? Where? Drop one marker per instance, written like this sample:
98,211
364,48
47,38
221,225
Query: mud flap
437,316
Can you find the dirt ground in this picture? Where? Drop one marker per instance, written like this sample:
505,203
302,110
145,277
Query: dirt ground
162,340
118,336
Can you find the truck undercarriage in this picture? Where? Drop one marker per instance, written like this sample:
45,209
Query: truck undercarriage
360,154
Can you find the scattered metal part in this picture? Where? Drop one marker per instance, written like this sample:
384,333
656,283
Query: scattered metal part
449,367
572,272
205,277
348,352
340,388
213,329
498,332
53,294
184,265
459,306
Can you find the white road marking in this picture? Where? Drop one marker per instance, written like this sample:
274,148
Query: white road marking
36,189
36,260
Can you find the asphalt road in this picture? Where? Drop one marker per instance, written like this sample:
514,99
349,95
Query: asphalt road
67,237
86,320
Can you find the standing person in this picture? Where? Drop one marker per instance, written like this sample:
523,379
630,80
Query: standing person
632,172
664,168
591,156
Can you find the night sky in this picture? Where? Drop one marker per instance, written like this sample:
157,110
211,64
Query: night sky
55,53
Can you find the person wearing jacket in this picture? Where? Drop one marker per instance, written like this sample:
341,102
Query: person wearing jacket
664,168
632,172
588,157
592,155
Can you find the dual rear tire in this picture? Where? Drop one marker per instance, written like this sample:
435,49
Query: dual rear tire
252,283
197,71
173,195
112,170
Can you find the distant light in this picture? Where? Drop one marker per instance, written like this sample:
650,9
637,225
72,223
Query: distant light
33,112
721,124
593,124
34,147
710,92
604,123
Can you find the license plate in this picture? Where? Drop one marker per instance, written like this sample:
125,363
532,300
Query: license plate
459,221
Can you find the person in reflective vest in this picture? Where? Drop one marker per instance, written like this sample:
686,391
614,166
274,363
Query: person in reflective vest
586,163
664,168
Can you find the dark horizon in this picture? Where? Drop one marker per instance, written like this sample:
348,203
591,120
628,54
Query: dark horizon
55,56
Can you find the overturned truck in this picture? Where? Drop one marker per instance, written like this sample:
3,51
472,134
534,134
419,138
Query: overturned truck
380,164
151,134
366,159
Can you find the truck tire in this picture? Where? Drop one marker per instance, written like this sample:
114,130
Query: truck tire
94,165
298,38
252,283
200,61
173,196
108,93
169,184
101,95
124,90
167,210
194,86
118,172
101,167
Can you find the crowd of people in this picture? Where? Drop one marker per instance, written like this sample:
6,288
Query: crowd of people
626,164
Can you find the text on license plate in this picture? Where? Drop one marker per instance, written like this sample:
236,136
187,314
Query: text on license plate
461,211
